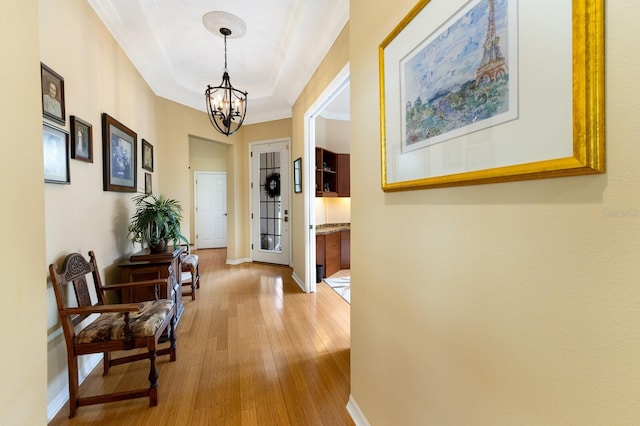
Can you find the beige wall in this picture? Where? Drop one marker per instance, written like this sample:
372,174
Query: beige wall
23,394
207,156
337,134
332,210
503,304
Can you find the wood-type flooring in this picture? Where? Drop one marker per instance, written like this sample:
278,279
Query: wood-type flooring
253,349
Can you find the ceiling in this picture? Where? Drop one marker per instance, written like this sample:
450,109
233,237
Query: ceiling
178,57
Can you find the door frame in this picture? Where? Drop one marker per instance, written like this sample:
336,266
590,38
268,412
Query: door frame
336,86
195,203
287,164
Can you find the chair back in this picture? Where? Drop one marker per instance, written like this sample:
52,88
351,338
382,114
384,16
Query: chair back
75,272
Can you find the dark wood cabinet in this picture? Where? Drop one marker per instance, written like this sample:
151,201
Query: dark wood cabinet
333,252
332,174
326,167
345,249
343,175
320,251
146,266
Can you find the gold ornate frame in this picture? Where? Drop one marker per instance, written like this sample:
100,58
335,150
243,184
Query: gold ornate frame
587,75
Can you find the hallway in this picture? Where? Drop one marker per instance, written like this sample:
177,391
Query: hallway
253,349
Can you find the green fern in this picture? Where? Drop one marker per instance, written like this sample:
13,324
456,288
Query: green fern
155,220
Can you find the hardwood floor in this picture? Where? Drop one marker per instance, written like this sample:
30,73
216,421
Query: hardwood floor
253,349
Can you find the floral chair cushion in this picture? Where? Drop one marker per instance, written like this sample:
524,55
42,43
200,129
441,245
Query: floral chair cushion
143,323
189,260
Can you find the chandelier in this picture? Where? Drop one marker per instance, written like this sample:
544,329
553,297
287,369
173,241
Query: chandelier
226,105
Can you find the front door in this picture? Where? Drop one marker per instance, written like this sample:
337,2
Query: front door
270,202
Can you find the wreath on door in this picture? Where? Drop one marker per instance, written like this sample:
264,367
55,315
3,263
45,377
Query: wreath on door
272,185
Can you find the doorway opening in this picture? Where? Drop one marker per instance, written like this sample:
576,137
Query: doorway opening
335,95
208,156
210,200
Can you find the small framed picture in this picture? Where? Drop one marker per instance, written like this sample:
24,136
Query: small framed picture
52,95
297,176
82,146
119,155
55,144
147,155
147,184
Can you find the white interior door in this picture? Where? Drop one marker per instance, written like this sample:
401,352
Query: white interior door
270,202
211,209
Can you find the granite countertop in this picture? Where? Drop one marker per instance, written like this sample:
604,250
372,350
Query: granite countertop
329,228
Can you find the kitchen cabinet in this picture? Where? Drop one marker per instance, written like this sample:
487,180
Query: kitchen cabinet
343,175
345,249
332,254
333,251
332,174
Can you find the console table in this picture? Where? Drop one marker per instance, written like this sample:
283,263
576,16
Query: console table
145,265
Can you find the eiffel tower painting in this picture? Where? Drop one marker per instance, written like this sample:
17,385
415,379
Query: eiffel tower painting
493,64
459,80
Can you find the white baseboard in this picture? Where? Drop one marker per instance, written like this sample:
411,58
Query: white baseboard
55,405
356,414
238,261
299,281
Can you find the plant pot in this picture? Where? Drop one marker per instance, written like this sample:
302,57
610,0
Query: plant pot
161,247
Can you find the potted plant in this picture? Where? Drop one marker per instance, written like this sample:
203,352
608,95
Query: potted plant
156,222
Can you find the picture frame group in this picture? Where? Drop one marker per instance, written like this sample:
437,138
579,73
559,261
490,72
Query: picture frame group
119,143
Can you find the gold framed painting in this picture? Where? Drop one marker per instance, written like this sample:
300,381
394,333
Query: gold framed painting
485,91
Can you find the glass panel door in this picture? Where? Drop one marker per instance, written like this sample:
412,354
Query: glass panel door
270,190
270,202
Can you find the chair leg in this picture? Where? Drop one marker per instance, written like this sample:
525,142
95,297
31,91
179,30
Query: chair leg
106,363
153,379
172,339
72,365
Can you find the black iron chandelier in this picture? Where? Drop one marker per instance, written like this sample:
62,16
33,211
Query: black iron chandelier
226,105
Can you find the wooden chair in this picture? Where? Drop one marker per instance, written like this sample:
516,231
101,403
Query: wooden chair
118,327
190,271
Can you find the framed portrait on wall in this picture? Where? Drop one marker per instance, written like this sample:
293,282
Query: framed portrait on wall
52,86
55,144
82,140
119,155
147,155
148,189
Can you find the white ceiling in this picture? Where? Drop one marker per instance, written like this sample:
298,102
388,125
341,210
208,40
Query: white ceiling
178,57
